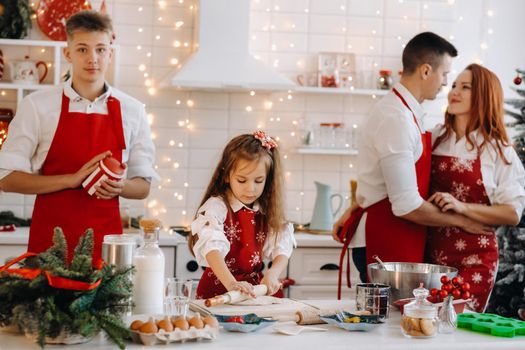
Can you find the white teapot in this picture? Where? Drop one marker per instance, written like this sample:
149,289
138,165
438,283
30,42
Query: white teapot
26,71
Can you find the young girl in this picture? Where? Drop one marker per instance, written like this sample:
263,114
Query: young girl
476,173
241,220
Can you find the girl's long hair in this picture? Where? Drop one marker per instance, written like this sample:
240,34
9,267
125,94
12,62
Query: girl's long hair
486,114
247,147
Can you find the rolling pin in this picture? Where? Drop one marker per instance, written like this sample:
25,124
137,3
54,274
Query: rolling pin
235,296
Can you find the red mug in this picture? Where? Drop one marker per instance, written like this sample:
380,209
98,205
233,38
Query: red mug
108,168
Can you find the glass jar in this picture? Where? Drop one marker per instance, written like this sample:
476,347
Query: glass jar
148,280
329,74
385,82
327,134
420,316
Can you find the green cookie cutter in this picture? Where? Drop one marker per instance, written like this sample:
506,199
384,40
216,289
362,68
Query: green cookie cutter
496,325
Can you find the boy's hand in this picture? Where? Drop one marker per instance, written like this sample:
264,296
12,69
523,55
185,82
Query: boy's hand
77,178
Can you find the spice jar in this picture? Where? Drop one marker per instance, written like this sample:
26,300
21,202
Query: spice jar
384,82
420,316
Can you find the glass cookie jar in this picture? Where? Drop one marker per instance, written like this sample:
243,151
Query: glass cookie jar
385,82
420,319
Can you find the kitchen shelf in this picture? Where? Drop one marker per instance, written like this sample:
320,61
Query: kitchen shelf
340,91
327,151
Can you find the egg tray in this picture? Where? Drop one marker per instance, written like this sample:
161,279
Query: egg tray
496,325
177,335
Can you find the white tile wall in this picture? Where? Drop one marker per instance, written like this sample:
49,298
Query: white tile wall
370,29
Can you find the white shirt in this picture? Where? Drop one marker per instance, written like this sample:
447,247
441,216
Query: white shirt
209,226
33,128
504,183
390,144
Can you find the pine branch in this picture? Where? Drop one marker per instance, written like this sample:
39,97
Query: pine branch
114,327
515,115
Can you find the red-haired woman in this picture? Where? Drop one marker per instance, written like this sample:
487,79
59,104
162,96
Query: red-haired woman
475,172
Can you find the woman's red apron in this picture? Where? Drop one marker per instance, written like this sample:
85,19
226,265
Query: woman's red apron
246,231
78,138
391,238
475,256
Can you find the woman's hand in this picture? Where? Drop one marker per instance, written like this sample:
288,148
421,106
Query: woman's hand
271,282
445,201
243,287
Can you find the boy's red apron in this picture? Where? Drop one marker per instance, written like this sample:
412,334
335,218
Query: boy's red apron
246,231
78,138
475,256
391,238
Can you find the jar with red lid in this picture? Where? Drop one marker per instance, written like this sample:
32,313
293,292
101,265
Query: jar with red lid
384,82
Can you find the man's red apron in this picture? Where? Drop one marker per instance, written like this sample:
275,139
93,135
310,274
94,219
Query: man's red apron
391,238
246,231
78,138
475,256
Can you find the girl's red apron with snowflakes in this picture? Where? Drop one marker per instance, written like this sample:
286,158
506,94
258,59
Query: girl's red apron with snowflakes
475,256
246,232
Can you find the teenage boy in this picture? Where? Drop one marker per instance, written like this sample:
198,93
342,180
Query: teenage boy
59,135
394,165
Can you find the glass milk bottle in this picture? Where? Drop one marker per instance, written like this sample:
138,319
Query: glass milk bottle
148,281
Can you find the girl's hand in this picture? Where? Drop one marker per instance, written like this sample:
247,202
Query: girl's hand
446,201
272,283
243,287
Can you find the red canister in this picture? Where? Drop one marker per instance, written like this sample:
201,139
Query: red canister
108,168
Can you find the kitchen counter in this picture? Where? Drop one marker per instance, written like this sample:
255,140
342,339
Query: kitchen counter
384,337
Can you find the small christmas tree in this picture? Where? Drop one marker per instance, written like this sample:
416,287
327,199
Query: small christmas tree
508,296
49,298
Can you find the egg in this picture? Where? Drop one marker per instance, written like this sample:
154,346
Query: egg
135,325
196,321
149,327
180,323
165,324
211,321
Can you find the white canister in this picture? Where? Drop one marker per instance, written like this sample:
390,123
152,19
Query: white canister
108,168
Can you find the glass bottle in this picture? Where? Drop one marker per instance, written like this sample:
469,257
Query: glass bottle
448,319
148,281
384,82
420,316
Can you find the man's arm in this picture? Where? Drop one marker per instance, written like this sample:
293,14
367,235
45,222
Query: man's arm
135,188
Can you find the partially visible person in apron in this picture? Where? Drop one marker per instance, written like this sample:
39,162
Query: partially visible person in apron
476,173
59,135
394,166
241,220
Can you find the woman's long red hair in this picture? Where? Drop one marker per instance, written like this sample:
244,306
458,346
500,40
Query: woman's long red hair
486,113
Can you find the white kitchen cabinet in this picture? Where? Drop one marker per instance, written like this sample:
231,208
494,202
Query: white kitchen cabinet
314,266
11,49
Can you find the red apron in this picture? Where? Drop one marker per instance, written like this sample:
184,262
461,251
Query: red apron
475,256
78,138
246,232
391,238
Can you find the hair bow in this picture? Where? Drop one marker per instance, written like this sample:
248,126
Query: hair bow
266,140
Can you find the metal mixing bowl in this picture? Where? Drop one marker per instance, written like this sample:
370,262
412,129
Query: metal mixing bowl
403,277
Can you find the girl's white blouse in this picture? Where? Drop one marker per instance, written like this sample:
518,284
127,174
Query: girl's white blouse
504,183
209,226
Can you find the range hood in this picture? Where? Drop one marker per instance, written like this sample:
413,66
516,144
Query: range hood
222,60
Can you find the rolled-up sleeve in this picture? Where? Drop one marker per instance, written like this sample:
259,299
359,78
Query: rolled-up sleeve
395,144
22,140
142,151
282,245
510,181
209,228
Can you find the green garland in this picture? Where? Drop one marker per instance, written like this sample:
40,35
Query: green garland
15,19
37,308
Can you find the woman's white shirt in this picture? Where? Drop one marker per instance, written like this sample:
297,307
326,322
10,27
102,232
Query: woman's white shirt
504,183
209,226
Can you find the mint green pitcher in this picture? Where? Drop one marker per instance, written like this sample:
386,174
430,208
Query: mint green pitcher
324,214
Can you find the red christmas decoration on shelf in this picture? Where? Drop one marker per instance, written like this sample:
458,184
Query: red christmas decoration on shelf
52,16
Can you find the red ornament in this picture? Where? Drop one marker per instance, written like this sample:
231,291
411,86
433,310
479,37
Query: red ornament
1,64
517,80
52,16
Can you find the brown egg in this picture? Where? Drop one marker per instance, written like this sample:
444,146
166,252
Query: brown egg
196,321
149,327
211,321
180,323
135,325
165,324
